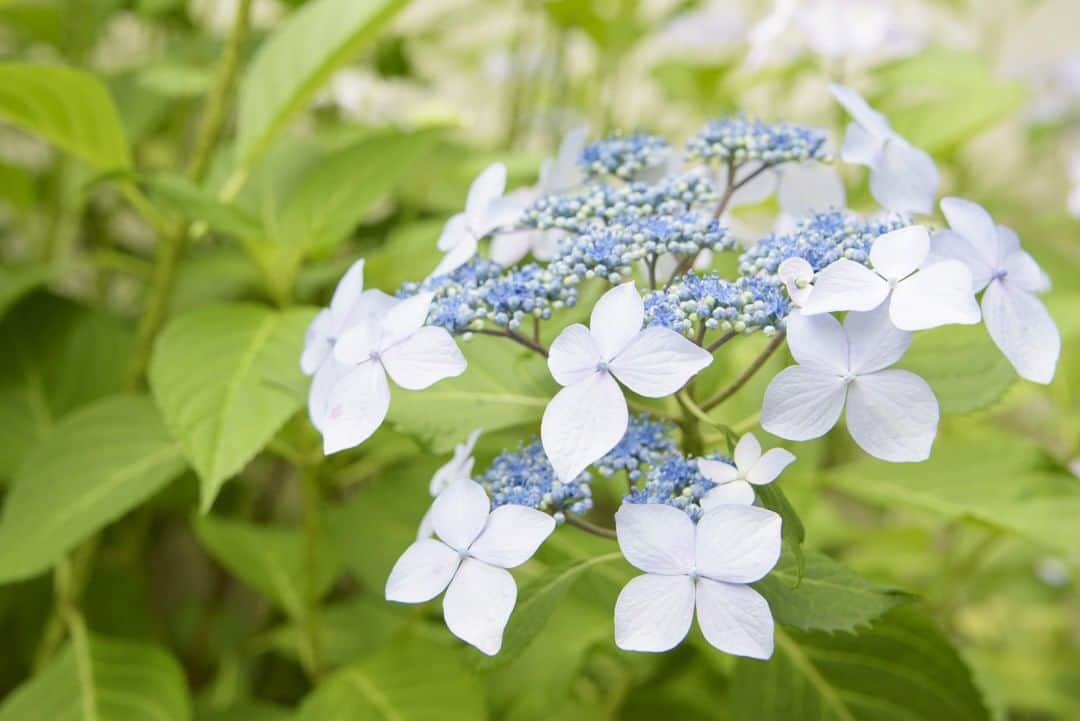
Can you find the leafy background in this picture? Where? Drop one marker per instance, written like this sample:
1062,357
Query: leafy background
175,200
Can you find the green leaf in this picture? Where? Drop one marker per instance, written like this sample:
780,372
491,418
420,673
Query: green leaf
17,281
226,378
96,465
826,596
504,386
297,59
111,680
792,529
409,681
963,366
57,356
272,561
346,631
900,668
537,600
68,107
192,202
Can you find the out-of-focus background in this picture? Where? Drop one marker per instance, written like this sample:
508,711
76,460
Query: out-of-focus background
986,532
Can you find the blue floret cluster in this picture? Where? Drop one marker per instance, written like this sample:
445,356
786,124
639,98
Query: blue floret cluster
525,477
740,138
675,481
624,156
645,443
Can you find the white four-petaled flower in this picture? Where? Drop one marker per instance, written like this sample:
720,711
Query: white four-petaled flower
474,547
752,468
395,343
705,567
903,178
920,295
892,414
485,210
459,467
588,417
1017,321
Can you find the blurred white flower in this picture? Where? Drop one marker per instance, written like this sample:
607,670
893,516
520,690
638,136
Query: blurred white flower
474,547
892,414
903,178
706,567
1016,319
919,295
217,15
485,210
752,468
588,417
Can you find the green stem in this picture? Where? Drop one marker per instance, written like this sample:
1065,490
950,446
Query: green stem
69,579
312,504
516,337
739,382
590,527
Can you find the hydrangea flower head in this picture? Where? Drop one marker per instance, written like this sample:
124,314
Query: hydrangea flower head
626,157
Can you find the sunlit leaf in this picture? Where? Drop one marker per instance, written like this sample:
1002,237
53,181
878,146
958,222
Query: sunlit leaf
193,203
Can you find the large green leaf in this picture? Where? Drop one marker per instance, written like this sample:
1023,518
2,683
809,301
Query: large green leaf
68,107
297,59
826,597
504,386
194,203
226,378
15,282
412,680
107,680
273,561
96,464
962,365
57,356
901,669
345,631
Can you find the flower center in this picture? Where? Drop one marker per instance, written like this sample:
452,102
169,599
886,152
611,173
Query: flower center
694,573
463,553
848,378
602,367
999,274
374,355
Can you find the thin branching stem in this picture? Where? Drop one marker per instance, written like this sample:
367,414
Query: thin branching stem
589,527
712,347
516,337
747,374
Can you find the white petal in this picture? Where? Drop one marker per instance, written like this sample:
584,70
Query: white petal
937,295
322,386
317,345
616,318
796,275
509,248
972,222
860,111
655,537
422,572
478,605
653,613
862,147
356,408
717,471
348,290
457,256
358,343
737,544
1007,241
950,245
753,189
459,513
735,492
893,415
846,285
771,465
512,535
818,342
503,212
1023,273
735,619
1024,331
658,361
485,189
453,233
905,179
426,529
372,302
899,252
573,356
747,453
582,423
424,358
810,187
873,341
567,174
802,403
404,319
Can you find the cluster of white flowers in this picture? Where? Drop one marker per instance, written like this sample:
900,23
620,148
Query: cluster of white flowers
690,524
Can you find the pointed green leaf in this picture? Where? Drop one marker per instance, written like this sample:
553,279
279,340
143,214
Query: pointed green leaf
113,681
70,108
96,464
412,680
826,596
226,378
900,668
193,203
297,59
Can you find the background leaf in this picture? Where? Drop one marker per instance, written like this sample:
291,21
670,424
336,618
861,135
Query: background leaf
192,202
68,107
226,378
96,464
297,59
